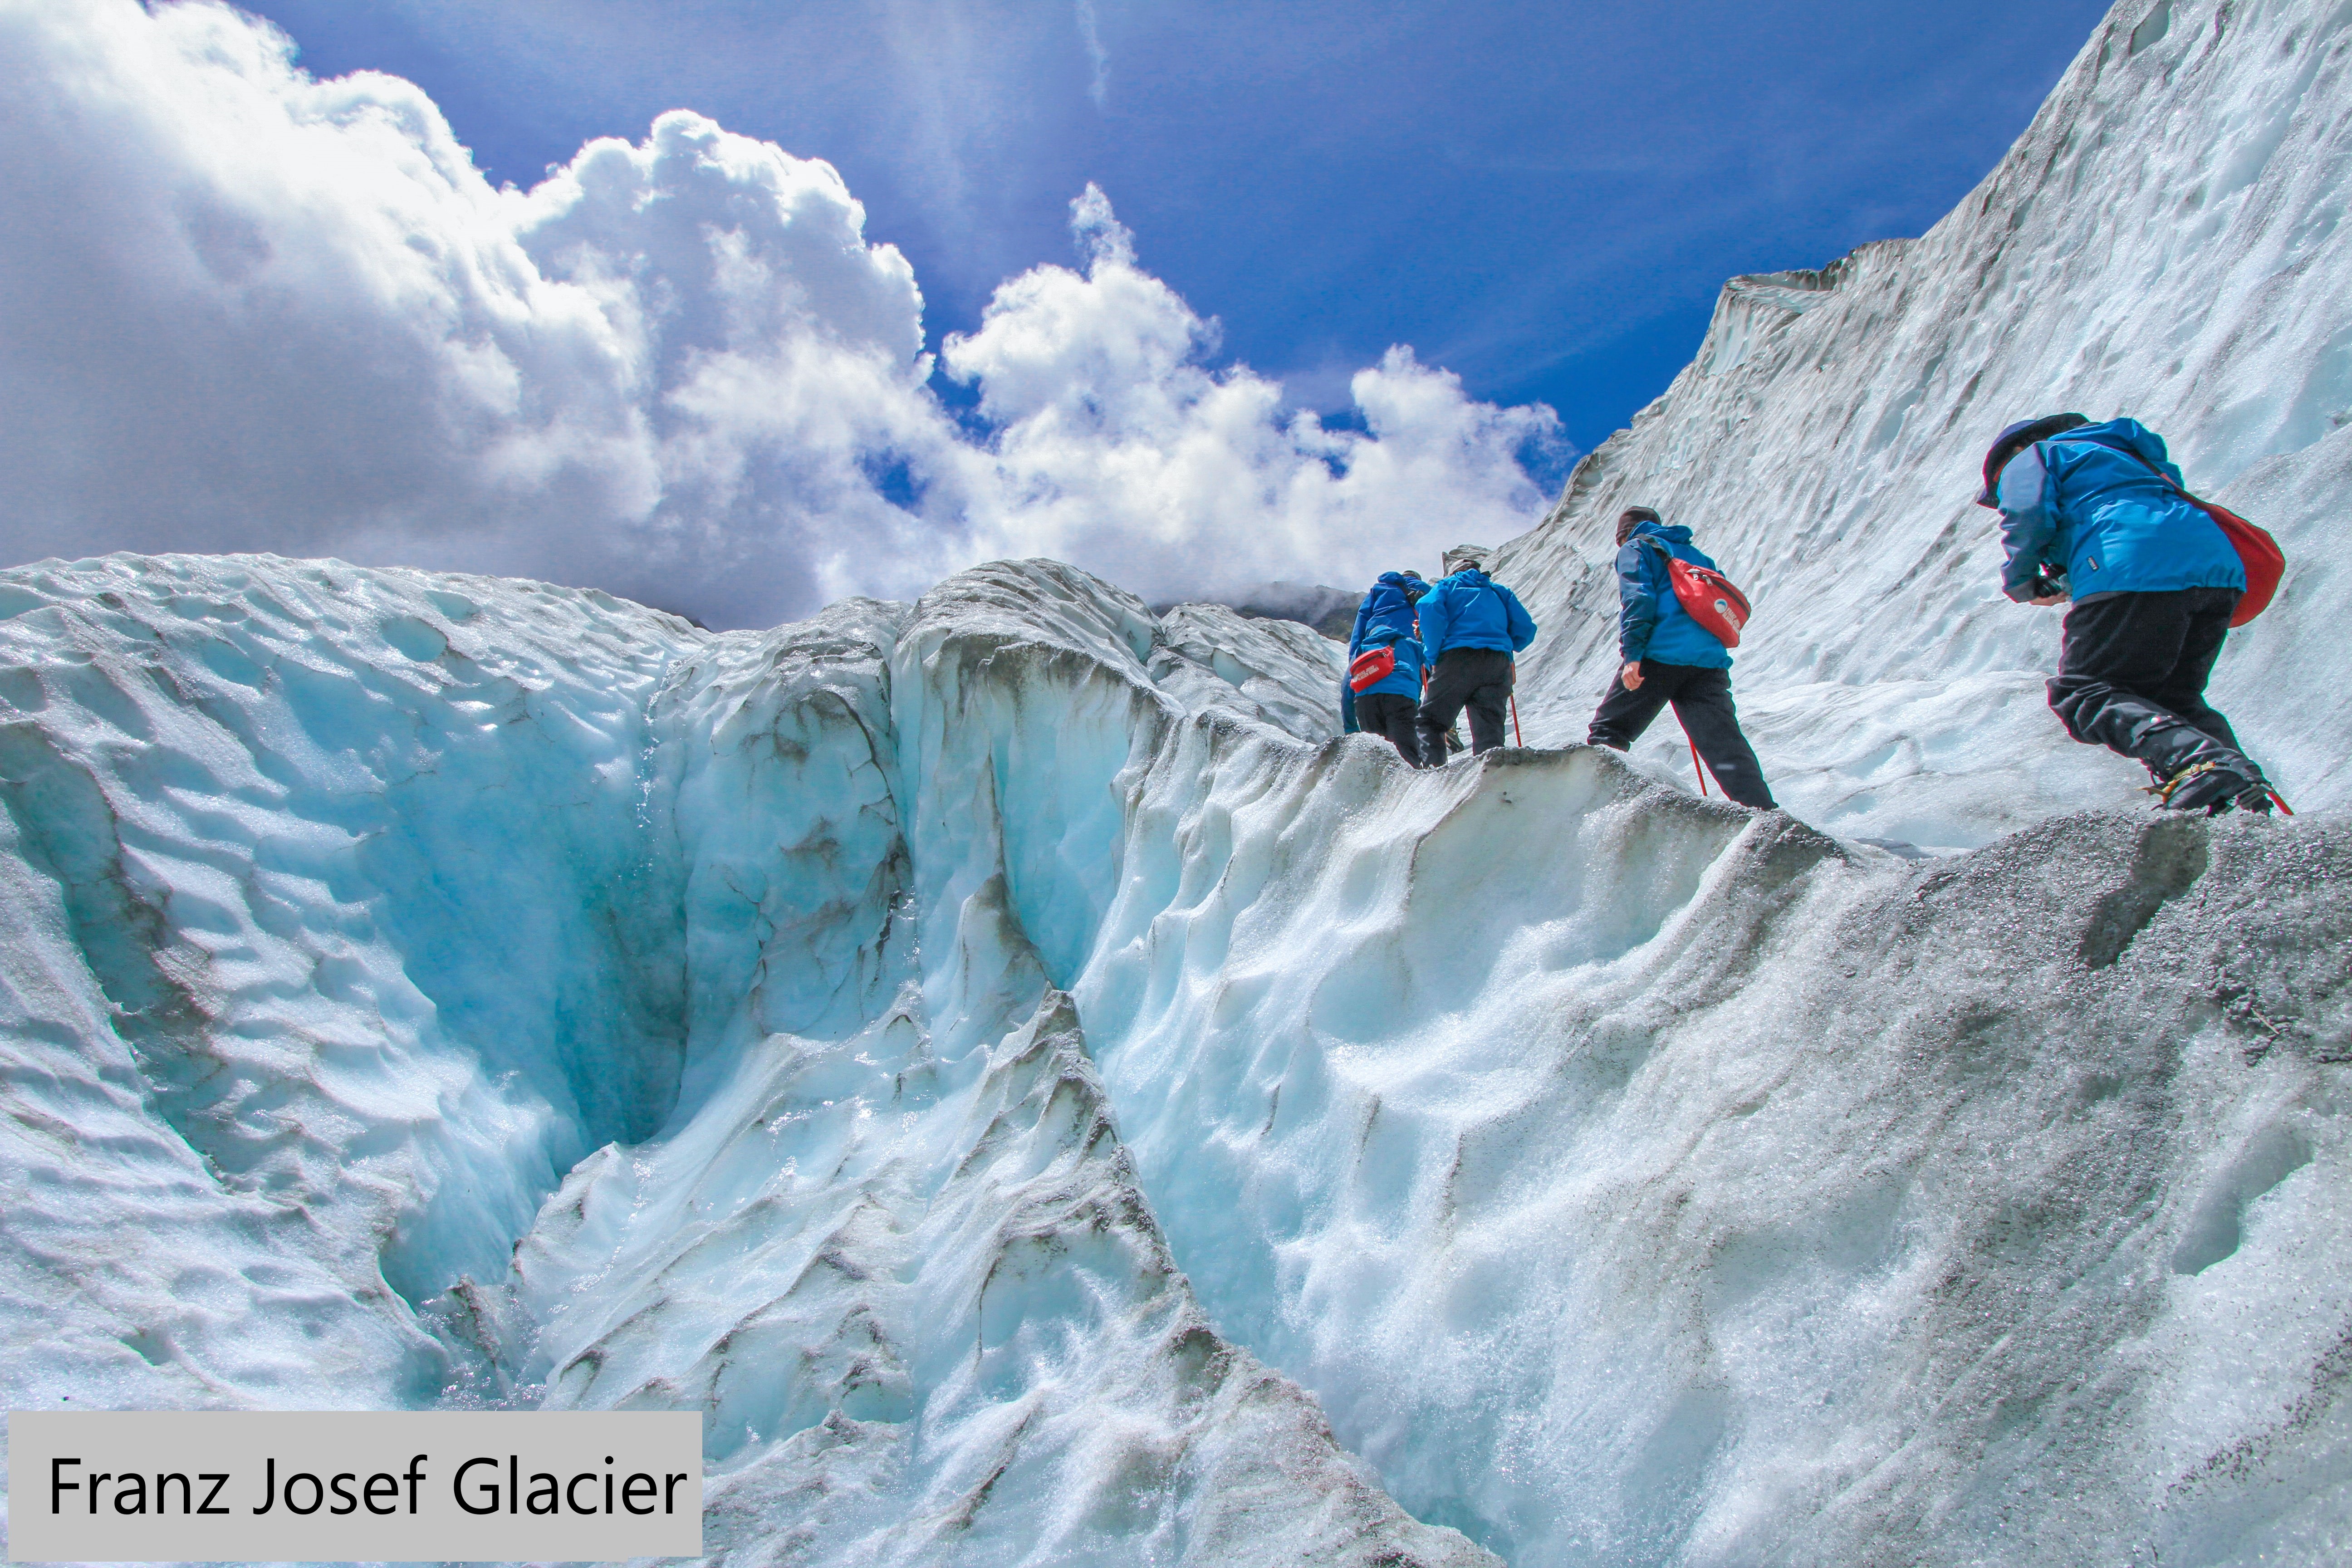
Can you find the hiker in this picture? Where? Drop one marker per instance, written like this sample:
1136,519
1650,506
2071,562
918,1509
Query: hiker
1470,628
1388,706
2097,513
1668,656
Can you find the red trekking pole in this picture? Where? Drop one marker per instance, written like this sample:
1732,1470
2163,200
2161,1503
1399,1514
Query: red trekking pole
1696,768
1517,739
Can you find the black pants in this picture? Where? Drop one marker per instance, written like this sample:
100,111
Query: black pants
1478,678
2132,674
1389,715
1702,699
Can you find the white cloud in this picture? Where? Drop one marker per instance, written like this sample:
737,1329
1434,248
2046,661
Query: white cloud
1115,440
1097,57
241,308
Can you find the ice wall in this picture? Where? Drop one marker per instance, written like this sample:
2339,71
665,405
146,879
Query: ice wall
423,989
1635,1181
1044,1088
2167,241
337,931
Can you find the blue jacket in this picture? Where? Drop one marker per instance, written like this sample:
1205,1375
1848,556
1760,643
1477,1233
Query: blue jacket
1471,609
1651,622
2084,508
1385,618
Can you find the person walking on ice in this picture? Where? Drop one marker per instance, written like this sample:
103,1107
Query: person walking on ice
1387,705
2097,513
1470,628
1670,657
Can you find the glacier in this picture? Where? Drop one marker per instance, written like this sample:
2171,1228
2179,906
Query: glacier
1046,1097
2165,241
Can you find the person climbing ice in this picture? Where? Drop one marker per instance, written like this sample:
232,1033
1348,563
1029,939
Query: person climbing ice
1669,656
1471,626
2097,514
1388,701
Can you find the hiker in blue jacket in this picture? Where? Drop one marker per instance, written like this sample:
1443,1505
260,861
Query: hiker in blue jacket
1470,628
1670,657
2095,514
1387,707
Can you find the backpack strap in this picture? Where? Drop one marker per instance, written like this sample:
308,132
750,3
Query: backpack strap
1666,557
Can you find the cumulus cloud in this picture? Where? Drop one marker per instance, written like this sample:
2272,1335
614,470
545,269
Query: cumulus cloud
244,308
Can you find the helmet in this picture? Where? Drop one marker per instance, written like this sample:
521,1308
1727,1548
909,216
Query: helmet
2015,439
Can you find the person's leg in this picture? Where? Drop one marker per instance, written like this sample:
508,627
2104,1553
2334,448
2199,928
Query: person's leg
1439,705
1490,705
1402,724
1623,715
2183,692
1460,672
1703,703
1391,715
2119,653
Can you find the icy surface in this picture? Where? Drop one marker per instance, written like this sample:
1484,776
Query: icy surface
1018,1090
2168,241
423,988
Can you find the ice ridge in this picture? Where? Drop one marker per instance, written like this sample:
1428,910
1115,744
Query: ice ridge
2167,241
429,989
1020,1090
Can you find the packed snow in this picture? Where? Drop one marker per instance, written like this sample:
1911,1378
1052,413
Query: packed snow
1047,1098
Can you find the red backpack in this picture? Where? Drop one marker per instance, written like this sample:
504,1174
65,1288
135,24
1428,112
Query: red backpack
1709,597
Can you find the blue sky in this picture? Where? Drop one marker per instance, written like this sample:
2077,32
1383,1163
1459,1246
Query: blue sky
1543,198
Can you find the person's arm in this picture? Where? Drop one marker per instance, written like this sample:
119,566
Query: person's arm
1432,625
1637,617
2028,499
1356,637
1517,623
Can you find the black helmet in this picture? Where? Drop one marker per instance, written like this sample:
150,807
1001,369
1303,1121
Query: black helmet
2016,439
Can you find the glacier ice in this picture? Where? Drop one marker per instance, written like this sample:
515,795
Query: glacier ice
429,988
1020,1087
1047,1098
2166,240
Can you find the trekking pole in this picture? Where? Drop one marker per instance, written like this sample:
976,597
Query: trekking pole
1521,740
1695,767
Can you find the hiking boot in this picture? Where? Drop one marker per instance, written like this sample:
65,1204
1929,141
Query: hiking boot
2214,787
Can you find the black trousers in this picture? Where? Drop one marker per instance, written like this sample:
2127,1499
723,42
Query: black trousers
1702,699
1391,716
2132,673
1477,678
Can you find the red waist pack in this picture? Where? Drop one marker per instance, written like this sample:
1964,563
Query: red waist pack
2258,553
2265,562
1372,665
1709,597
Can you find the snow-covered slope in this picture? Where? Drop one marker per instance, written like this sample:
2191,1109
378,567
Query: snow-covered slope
1017,1090
2167,240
